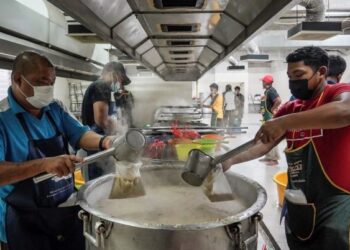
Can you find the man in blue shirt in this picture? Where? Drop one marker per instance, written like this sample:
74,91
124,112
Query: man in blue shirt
35,131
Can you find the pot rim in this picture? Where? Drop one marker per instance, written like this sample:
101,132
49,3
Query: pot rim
250,211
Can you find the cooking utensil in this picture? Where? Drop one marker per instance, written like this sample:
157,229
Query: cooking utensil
87,160
185,226
128,147
199,164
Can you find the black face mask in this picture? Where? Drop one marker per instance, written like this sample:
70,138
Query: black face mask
299,88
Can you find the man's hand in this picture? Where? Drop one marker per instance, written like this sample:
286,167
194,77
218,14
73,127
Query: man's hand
60,165
271,131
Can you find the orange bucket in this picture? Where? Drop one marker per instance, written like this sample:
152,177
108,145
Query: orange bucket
281,179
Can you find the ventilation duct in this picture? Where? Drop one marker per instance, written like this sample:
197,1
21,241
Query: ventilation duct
254,54
234,64
255,58
253,48
315,10
313,28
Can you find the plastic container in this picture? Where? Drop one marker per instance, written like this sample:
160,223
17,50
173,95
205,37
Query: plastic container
78,179
208,149
212,136
206,141
281,179
183,149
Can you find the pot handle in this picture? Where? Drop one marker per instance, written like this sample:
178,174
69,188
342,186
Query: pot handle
100,229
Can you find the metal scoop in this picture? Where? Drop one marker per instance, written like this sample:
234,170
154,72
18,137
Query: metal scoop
128,148
199,164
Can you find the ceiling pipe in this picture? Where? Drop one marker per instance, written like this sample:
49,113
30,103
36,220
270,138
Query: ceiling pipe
233,61
315,10
252,48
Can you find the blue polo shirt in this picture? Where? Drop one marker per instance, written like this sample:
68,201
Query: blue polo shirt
14,141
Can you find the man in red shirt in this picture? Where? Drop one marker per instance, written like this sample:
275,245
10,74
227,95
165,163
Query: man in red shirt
317,128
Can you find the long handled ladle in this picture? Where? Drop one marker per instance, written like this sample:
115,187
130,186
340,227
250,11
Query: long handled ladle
199,164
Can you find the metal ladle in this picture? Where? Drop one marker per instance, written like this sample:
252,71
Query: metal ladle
199,164
124,148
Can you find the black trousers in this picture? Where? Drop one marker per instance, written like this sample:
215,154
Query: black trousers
3,246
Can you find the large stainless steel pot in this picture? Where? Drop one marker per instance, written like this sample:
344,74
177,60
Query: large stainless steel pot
236,231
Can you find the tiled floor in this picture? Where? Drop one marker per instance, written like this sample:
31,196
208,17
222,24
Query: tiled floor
263,174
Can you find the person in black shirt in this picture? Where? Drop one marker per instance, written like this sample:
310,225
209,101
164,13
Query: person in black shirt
269,105
99,109
336,69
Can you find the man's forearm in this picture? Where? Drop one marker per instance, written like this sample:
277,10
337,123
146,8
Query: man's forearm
329,116
14,172
90,141
256,151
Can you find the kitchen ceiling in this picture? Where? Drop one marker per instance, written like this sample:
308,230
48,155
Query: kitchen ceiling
177,39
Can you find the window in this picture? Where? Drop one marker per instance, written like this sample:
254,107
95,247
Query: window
5,82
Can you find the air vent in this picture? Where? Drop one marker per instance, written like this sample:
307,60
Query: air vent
179,27
236,67
162,4
180,43
180,52
254,58
315,31
179,58
141,68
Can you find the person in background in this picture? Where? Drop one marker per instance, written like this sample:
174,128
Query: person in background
216,104
316,127
99,112
229,106
124,100
336,69
35,131
239,103
269,106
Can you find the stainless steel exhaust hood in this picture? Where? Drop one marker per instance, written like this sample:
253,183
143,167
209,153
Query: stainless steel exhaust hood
177,39
65,65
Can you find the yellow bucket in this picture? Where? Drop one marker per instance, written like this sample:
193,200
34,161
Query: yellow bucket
281,179
79,180
183,149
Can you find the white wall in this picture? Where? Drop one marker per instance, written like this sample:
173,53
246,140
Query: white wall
152,92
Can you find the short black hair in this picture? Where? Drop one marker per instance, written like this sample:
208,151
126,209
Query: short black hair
214,86
28,61
228,87
312,56
337,65
237,88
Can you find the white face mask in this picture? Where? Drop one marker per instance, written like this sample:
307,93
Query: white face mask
43,95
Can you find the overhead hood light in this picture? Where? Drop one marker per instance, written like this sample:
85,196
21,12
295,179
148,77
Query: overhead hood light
254,58
315,30
180,58
179,27
162,4
180,43
179,52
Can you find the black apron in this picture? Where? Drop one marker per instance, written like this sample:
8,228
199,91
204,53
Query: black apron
322,223
33,220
